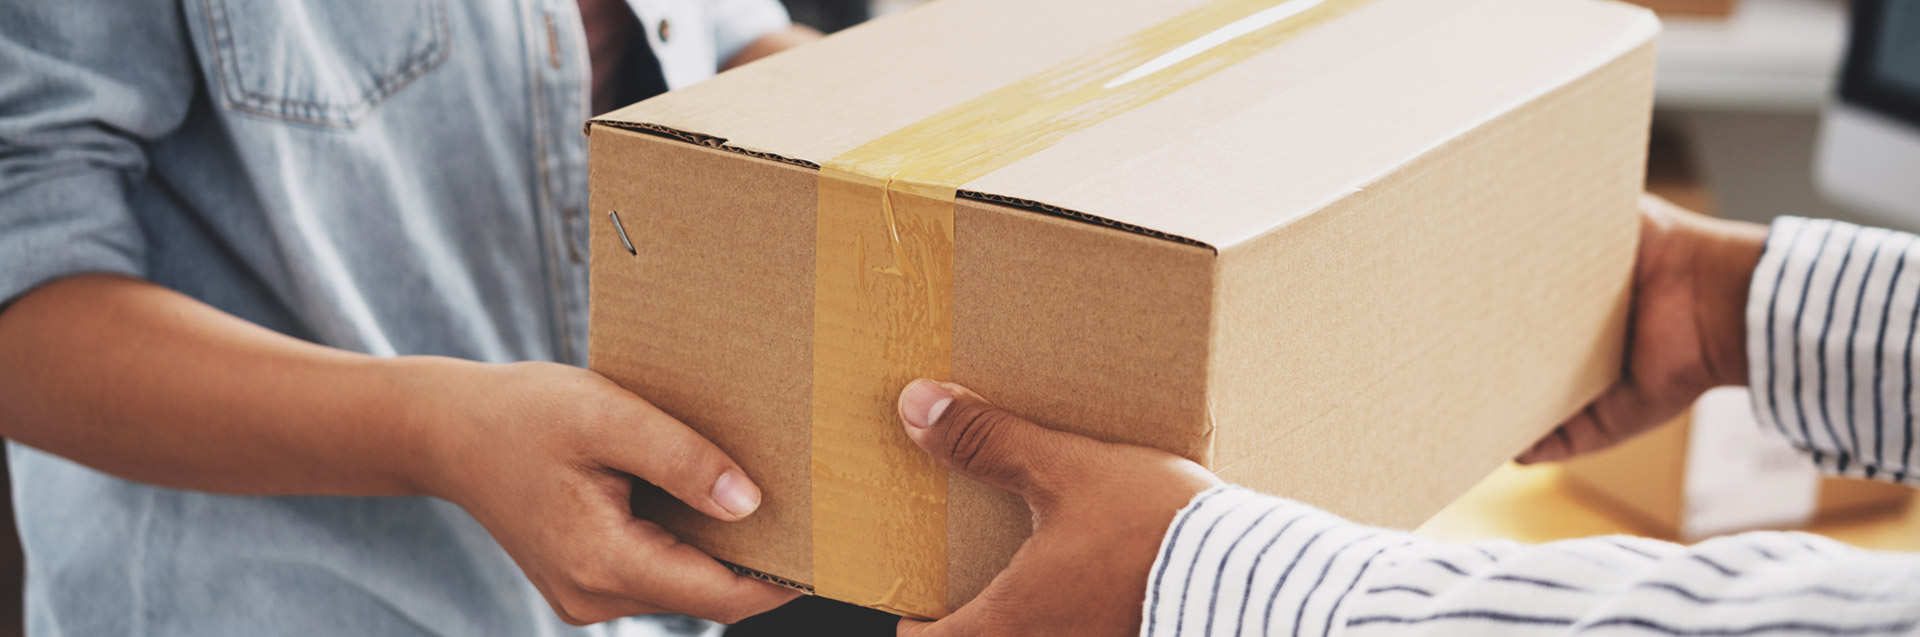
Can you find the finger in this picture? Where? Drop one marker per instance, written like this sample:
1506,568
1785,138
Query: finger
676,577
963,623
583,609
913,628
661,450
1556,446
578,607
975,439
1621,413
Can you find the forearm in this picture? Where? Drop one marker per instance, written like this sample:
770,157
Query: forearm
792,36
1235,562
150,385
1250,565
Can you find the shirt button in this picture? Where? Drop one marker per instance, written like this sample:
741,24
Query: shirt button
666,32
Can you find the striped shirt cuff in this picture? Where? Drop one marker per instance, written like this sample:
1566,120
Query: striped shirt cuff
1831,322
1235,562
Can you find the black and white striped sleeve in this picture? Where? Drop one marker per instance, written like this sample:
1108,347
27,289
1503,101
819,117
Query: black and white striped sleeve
1238,564
1831,319
1832,316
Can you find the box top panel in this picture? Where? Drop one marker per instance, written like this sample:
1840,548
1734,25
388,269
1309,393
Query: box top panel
1236,154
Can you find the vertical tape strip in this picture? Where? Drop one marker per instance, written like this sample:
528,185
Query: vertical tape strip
883,284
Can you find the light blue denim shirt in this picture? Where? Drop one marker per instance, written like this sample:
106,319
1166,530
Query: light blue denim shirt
385,176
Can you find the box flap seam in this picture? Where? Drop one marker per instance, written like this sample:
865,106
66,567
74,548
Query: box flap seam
720,143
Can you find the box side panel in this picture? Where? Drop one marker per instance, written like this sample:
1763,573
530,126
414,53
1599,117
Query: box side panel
1381,355
1078,327
711,319
1645,477
1073,325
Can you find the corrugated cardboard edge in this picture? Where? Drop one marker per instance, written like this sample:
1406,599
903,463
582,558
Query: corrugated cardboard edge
768,578
720,143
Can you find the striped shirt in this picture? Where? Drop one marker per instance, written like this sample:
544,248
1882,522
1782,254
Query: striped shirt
1831,322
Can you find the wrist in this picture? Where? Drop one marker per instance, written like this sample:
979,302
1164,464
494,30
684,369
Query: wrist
431,393
1729,252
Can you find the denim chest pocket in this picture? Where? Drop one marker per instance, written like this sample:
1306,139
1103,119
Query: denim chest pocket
322,62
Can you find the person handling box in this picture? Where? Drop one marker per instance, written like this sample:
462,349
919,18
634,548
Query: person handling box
1817,317
261,257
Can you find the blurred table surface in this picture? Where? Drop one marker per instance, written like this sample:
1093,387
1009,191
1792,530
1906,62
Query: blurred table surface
1534,504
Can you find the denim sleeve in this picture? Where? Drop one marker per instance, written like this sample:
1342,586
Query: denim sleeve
737,23
84,86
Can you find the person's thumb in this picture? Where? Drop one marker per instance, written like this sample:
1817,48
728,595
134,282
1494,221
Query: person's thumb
983,442
655,447
960,624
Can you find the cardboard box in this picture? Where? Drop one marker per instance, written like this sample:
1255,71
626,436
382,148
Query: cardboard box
1715,470
1361,267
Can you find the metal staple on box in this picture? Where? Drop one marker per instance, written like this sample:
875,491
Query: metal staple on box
622,229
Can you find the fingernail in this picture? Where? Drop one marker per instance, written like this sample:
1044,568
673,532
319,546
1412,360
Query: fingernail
923,401
736,493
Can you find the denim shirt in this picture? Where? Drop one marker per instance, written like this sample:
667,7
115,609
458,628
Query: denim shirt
385,176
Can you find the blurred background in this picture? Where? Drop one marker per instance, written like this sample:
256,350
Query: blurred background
1741,92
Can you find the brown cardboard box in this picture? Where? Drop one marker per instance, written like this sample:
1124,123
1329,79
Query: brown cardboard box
1649,479
1362,267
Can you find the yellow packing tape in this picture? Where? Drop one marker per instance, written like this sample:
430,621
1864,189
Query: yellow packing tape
883,283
